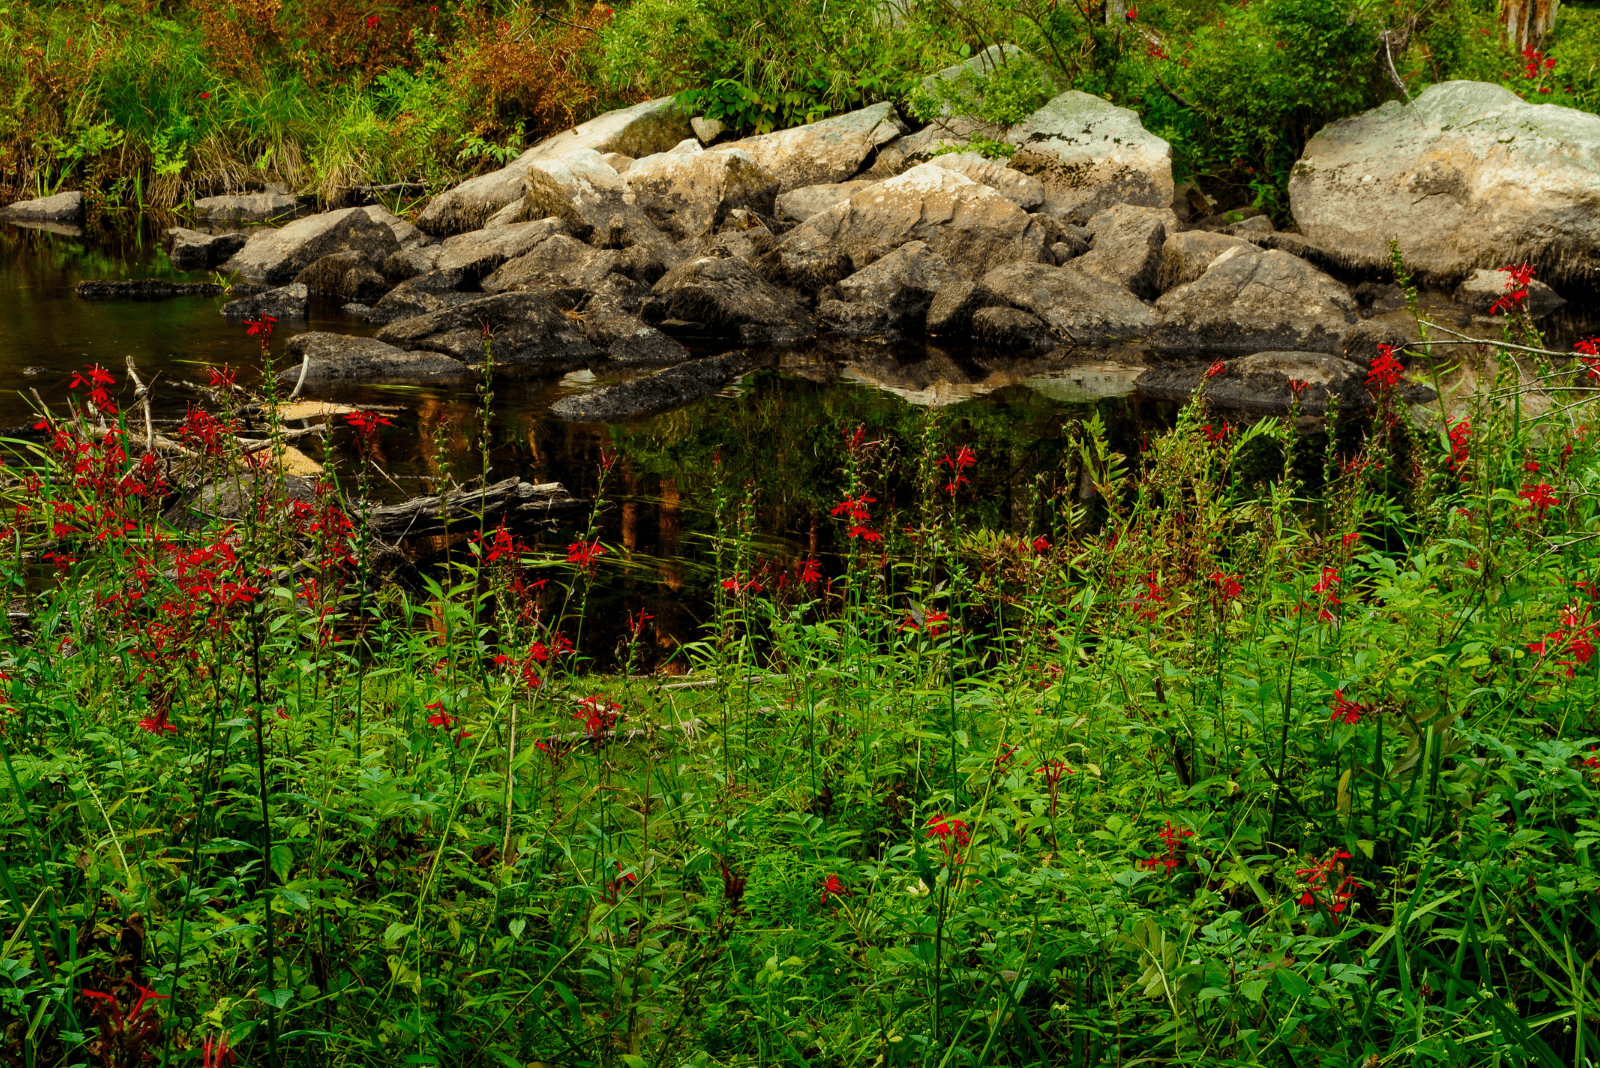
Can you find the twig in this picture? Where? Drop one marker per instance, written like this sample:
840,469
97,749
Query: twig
1394,75
305,365
141,393
1468,339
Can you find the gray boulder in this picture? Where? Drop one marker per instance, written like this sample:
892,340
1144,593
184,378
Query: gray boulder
1245,303
340,358
901,285
644,129
415,297
286,302
1076,306
973,227
1012,330
346,276
249,208
409,262
726,297
798,205
404,232
1467,176
190,250
689,194
1187,256
672,388
1090,154
1126,244
465,259
528,331
707,130
1481,291
61,208
276,256
832,150
567,269
1261,382
1026,191
952,307
849,319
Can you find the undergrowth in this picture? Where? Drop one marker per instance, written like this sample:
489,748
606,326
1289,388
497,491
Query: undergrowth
1189,765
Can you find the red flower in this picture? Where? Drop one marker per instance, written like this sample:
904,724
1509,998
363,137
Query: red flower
215,1053
810,571
1132,14
157,724
97,378
1539,497
936,623
1385,372
1346,711
585,554
1041,545
1228,587
1172,837
440,717
1216,437
835,886
1316,878
1460,434
372,22
205,96
1217,368
261,326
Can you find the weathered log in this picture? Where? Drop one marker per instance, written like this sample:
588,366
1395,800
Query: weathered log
513,500
144,289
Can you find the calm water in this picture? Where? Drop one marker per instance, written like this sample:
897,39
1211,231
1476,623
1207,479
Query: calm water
776,434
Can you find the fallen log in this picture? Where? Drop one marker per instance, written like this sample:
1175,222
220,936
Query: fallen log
513,501
144,289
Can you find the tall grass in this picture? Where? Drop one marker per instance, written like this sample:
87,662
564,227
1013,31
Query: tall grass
1198,766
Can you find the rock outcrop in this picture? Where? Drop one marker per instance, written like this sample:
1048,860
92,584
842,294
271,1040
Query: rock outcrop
190,250
689,194
1078,307
1251,303
1125,246
892,294
716,296
1466,176
1187,256
249,208
1485,288
672,388
276,256
339,358
61,208
286,302
527,331
833,150
1264,382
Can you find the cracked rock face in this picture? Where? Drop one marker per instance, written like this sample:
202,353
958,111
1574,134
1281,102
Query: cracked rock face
277,256
1467,176
832,150
528,331
1090,154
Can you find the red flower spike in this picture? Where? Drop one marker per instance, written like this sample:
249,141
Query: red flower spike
1217,368
835,886
1385,371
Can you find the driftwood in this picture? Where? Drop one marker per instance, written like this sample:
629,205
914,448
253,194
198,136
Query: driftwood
513,500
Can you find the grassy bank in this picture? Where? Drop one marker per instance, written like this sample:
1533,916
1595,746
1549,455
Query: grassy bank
151,104
1251,749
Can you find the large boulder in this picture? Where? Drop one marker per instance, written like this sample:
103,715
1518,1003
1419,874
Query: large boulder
276,256
249,208
893,293
973,227
346,276
953,307
286,302
527,330
1254,303
644,129
1078,307
726,297
404,232
1467,176
1012,330
1091,154
417,296
61,208
672,388
1126,244
832,150
625,338
1187,256
1024,189
340,358
798,205
1266,382
190,250
689,194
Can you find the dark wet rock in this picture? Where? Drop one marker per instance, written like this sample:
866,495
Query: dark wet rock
409,263
414,298
672,388
625,338
743,234
356,311
1244,303
1012,330
850,319
1078,307
557,262
249,208
1126,246
346,276
340,358
728,298
1379,298
61,208
798,205
286,302
1481,291
1091,154
952,307
1261,383
190,250
1024,190
528,331
688,194
404,232
1362,343
970,225
144,289
276,256
1187,256
832,150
